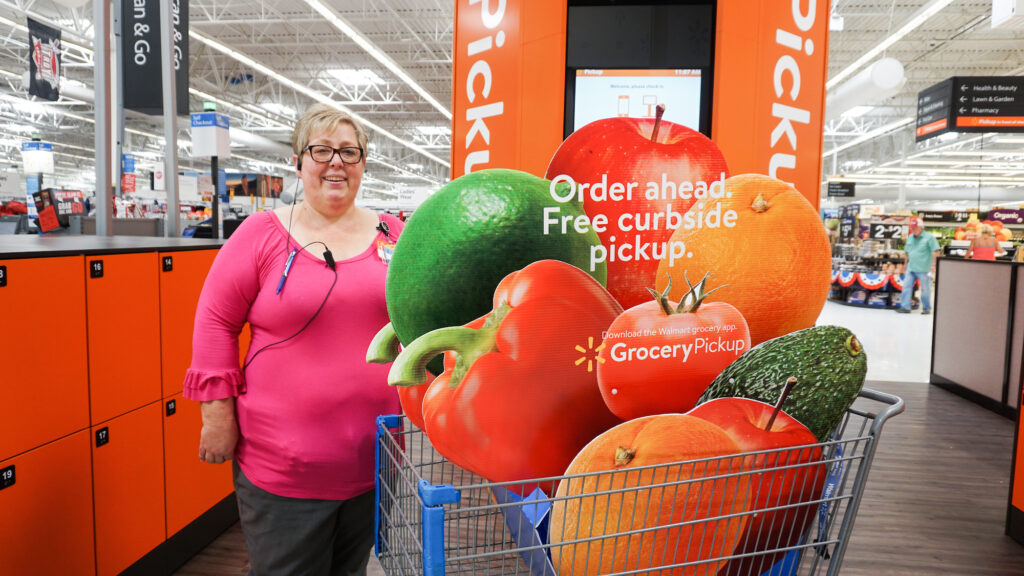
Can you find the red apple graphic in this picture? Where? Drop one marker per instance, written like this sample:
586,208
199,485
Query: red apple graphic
756,426
624,157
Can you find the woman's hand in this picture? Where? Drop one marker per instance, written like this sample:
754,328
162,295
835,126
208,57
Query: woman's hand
220,431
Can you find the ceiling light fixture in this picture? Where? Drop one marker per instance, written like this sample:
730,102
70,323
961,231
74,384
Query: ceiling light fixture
377,54
857,111
435,130
890,127
319,97
353,77
919,17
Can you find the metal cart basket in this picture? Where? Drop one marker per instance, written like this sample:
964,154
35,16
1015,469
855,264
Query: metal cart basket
728,515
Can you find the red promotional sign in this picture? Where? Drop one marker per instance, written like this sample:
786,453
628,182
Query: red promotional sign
128,183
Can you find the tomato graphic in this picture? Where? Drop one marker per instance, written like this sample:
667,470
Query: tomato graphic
658,357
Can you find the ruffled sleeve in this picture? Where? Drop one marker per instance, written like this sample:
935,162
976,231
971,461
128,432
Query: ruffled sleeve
205,385
222,311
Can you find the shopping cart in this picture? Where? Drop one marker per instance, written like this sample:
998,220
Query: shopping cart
434,518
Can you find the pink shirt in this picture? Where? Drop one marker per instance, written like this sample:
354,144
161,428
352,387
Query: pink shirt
306,408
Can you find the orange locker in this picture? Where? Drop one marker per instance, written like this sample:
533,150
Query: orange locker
46,513
122,292
181,280
193,487
128,487
45,394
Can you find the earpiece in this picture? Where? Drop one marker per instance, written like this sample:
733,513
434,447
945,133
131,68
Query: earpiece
382,226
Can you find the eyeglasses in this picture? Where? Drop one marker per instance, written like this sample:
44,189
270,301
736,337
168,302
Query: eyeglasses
324,154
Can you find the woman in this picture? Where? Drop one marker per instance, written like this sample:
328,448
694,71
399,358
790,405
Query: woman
298,419
984,246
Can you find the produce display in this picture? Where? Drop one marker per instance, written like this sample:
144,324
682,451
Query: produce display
613,392
970,230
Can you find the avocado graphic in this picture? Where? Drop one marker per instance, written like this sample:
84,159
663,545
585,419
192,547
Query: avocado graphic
466,237
829,365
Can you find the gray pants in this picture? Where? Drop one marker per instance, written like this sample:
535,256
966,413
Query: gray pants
304,537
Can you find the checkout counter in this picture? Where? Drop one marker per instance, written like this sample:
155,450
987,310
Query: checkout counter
978,349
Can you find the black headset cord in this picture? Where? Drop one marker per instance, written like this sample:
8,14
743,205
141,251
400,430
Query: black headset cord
330,262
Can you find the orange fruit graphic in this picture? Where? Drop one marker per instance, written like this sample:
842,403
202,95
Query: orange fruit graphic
775,261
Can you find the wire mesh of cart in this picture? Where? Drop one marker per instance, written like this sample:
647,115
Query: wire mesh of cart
784,512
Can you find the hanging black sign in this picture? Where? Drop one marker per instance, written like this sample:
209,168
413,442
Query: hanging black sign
934,110
989,103
841,189
43,61
141,56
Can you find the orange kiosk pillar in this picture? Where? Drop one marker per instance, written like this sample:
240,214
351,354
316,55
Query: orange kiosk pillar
769,65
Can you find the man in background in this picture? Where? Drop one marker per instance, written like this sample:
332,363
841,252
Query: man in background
919,258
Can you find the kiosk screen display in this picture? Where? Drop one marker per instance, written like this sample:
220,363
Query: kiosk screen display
636,94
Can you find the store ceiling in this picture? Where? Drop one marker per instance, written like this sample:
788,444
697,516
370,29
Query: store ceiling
297,40
878,150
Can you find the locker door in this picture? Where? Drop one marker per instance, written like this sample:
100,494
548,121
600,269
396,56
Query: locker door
128,487
46,513
124,332
193,487
45,394
181,280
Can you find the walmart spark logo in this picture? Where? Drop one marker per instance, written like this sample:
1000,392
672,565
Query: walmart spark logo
586,354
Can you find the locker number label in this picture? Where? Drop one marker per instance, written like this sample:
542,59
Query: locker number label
172,407
7,477
102,436
168,263
96,269
3,276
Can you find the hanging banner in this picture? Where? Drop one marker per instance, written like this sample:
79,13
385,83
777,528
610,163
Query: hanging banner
43,61
140,28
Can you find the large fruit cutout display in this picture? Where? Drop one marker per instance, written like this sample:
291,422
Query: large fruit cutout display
465,238
636,178
643,516
521,398
504,274
772,248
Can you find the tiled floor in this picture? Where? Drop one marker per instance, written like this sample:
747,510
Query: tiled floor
898,346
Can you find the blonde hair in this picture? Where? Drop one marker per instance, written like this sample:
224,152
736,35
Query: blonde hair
985,230
324,119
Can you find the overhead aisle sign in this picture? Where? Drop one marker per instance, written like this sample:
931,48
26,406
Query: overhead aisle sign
933,110
989,103
971,104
